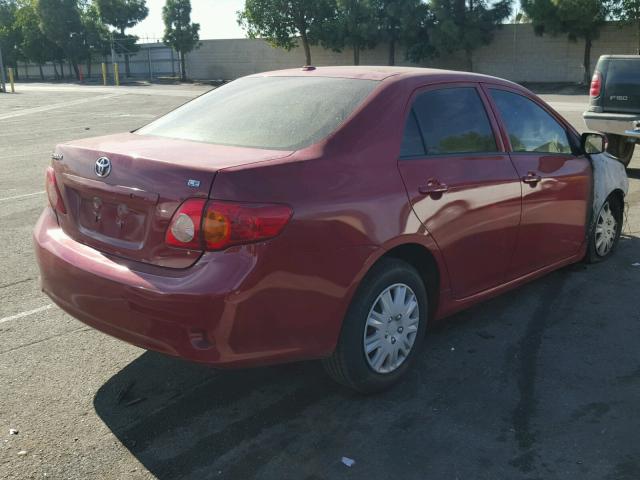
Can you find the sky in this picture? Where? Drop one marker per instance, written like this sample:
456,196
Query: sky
217,19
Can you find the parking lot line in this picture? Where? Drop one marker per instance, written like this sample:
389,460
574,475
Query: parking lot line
25,314
44,108
17,197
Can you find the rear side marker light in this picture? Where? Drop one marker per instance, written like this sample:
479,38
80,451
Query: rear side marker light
596,84
216,225
53,192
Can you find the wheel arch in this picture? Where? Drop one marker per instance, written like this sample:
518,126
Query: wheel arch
422,253
423,260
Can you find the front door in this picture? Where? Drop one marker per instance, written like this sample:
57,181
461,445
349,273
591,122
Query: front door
462,184
556,183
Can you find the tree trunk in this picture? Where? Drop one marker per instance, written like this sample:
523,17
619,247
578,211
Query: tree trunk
587,61
183,67
55,71
62,69
89,62
469,58
638,25
392,51
76,70
42,73
305,45
127,68
356,54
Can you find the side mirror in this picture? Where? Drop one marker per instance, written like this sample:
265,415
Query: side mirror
593,143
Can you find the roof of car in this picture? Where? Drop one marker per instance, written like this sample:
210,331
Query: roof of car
380,73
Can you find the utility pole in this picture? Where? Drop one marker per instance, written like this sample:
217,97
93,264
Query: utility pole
3,79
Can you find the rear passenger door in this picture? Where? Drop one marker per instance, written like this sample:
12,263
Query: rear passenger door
462,184
556,182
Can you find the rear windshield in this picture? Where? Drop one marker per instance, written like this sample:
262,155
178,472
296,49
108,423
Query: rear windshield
281,113
623,71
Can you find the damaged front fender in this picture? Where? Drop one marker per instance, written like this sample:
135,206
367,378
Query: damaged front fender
609,175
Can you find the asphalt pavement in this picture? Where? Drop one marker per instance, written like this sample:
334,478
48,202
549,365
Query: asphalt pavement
542,382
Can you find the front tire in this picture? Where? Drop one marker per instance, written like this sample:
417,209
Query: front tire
621,148
605,233
383,329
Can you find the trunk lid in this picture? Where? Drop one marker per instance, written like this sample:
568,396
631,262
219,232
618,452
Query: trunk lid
621,89
126,211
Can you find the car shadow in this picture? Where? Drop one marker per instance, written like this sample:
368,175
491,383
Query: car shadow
482,401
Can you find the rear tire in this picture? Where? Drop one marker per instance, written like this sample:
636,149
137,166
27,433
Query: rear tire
621,148
604,235
383,329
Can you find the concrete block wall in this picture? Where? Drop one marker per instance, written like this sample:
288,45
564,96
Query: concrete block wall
516,53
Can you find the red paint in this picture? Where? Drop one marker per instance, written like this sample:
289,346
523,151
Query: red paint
284,299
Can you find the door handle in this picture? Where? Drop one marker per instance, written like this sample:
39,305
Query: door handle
531,178
433,186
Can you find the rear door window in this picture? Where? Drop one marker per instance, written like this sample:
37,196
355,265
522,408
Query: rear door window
530,127
454,121
412,144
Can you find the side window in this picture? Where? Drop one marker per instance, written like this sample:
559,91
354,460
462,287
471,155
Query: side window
453,120
530,128
412,144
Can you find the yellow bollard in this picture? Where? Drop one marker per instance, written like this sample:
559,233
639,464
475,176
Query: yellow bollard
104,73
13,88
116,75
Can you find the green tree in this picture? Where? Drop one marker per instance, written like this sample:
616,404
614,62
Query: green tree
575,18
61,23
354,24
123,14
404,22
629,12
280,22
466,24
179,32
9,33
96,34
34,46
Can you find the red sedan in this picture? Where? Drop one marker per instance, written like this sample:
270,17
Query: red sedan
320,213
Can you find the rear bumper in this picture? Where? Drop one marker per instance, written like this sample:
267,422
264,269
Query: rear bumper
213,312
615,123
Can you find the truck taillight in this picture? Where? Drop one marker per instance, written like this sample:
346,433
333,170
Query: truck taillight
53,192
216,225
596,84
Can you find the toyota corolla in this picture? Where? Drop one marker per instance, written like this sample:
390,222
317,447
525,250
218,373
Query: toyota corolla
322,213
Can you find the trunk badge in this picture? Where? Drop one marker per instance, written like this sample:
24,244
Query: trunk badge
193,183
103,167
56,156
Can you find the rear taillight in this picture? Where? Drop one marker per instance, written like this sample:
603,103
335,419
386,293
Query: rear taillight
53,192
216,225
184,229
596,84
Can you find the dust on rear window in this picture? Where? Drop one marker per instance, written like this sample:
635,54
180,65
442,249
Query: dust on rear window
281,113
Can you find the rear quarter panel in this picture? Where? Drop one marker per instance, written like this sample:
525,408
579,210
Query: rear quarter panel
350,206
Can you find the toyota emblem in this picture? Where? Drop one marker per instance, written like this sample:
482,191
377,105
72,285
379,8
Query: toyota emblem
103,167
